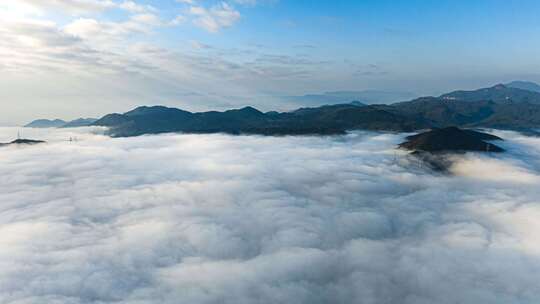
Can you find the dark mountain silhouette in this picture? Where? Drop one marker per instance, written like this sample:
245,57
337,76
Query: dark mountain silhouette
432,148
22,141
59,123
46,123
451,139
334,119
524,85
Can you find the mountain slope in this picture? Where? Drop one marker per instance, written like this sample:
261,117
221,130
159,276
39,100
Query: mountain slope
521,116
499,94
437,112
112,120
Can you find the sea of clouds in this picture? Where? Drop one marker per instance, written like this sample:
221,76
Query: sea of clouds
249,219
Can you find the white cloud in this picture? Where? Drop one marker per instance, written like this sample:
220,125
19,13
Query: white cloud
219,16
84,45
179,19
262,219
75,7
89,29
135,8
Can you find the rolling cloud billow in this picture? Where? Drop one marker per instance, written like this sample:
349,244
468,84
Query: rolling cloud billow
224,219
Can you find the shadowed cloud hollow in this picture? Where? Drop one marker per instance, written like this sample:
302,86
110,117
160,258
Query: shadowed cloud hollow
224,219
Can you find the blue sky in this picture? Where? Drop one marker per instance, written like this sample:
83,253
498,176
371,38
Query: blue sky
384,30
87,57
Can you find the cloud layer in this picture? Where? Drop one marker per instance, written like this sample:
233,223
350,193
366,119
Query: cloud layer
221,219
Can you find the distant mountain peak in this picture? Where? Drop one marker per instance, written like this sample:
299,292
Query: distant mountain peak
246,111
250,109
146,110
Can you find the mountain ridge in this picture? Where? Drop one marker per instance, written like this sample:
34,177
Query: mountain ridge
495,107
499,107
499,93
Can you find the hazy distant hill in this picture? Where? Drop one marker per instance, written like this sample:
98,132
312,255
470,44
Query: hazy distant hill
524,85
340,97
46,123
58,123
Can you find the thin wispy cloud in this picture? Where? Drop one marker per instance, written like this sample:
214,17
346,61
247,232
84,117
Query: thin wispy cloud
215,18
